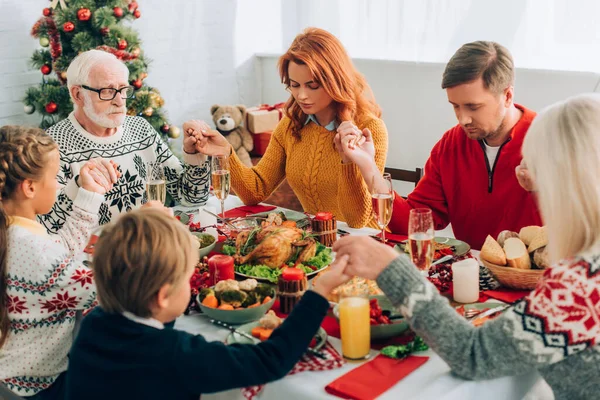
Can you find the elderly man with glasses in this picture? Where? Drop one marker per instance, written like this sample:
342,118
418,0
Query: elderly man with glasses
121,146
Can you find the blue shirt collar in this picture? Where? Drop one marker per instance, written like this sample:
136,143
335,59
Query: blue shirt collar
332,126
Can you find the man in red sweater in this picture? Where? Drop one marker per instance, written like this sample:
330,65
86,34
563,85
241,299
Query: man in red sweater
472,177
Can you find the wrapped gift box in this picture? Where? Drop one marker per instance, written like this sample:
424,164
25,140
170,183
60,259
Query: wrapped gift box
263,118
261,141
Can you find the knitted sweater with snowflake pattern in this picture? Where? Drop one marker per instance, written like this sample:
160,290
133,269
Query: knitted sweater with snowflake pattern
555,329
133,145
314,171
48,281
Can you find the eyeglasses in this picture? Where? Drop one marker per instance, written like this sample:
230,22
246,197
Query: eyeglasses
110,93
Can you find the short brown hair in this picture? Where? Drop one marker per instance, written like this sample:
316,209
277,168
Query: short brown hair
487,60
138,254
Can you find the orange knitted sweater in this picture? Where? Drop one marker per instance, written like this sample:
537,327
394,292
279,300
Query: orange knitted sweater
314,171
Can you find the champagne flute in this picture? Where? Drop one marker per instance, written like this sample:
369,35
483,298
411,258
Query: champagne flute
382,197
420,238
156,188
220,179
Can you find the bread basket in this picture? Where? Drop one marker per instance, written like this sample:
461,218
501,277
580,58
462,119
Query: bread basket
523,279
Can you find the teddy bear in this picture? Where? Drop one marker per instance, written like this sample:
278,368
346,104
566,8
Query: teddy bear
229,122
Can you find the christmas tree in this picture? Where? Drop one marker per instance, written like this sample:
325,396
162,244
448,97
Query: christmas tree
69,27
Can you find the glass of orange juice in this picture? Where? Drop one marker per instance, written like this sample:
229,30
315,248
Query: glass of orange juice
355,323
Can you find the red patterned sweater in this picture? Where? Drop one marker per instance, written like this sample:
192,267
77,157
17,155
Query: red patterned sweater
555,330
48,281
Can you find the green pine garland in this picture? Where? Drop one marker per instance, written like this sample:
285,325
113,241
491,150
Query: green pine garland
105,29
404,350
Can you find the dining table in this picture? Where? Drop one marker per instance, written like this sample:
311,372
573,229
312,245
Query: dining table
433,380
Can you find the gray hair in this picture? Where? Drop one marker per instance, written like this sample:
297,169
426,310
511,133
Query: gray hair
562,152
78,72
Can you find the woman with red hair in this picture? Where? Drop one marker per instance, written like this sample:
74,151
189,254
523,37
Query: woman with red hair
328,96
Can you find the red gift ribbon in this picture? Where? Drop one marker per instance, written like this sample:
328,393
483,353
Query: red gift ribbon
267,107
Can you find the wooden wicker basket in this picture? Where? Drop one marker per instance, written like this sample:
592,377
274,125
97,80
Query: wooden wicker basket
523,279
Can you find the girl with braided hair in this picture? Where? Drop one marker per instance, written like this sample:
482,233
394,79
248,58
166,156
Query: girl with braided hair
44,279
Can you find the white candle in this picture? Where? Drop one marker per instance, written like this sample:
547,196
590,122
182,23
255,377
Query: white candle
465,281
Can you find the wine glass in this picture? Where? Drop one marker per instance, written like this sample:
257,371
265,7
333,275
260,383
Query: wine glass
382,197
156,188
220,179
420,238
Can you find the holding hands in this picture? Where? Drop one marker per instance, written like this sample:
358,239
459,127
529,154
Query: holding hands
363,256
354,145
200,138
99,175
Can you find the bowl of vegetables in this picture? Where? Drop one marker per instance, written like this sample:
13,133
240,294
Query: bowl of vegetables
382,326
206,242
236,302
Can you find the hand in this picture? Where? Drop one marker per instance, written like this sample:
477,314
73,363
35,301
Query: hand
360,152
204,139
524,177
346,130
157,205
98,175
367,257
192,131
333,277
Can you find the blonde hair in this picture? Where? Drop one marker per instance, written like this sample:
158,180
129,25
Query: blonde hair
23,155
137,255
562,152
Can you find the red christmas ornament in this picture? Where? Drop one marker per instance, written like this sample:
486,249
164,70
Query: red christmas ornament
51,107
165,129
118,12
137,13
68,26
133,6
84,14
137,83
122,44
46,69
47,12
104,31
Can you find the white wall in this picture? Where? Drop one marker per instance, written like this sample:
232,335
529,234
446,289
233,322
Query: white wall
16,48
415,108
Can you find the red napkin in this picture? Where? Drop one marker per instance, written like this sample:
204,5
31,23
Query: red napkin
247,210
506,295
394,239
373,378
329,324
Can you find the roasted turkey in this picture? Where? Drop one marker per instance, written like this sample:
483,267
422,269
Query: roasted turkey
275,246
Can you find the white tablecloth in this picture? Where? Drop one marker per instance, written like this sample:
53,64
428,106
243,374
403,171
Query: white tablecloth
431,381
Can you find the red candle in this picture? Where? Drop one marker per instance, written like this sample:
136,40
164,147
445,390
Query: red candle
323,216
220,268
292,274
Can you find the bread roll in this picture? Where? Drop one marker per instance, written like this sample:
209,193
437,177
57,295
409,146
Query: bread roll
527,233
492,252
540,258
539,240
516,254
505,235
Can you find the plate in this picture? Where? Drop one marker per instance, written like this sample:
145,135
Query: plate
266,280
460,248
379,332
233,337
